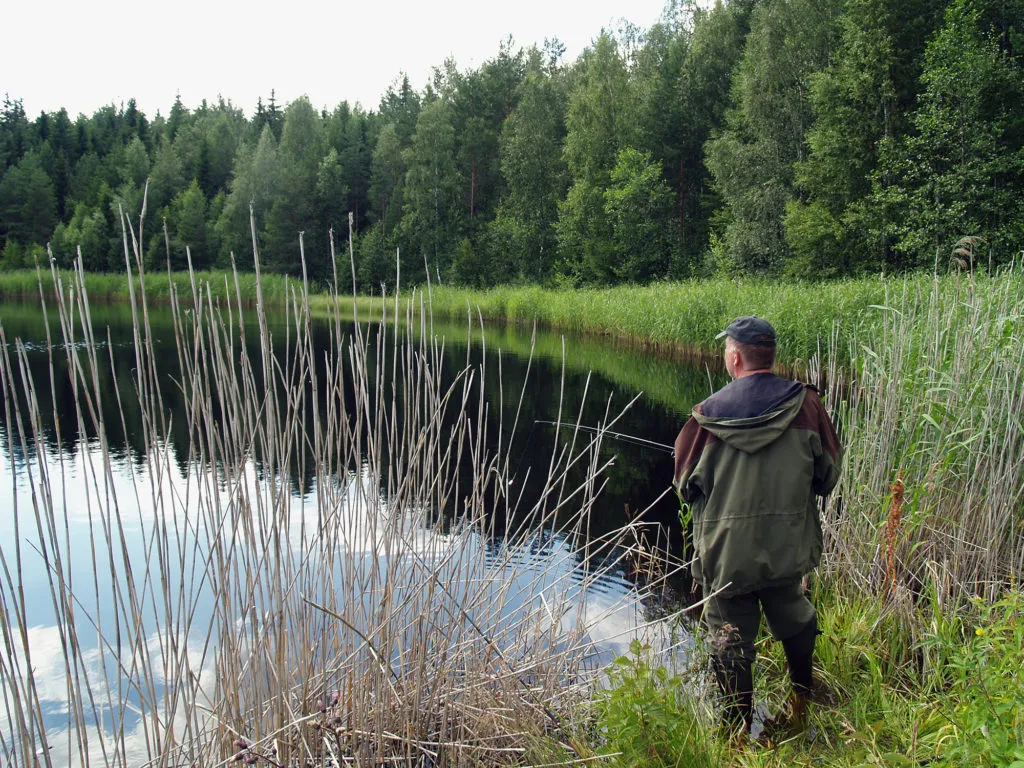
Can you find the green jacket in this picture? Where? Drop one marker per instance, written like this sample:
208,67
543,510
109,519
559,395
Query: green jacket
752,483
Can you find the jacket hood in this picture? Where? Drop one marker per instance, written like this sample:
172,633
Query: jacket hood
752,433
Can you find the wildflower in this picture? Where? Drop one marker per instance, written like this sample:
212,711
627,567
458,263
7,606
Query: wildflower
979,631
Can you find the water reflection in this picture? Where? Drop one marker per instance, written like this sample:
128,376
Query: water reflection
148,476
639,475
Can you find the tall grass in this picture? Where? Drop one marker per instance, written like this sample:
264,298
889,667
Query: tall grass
691,313
376,620
118,286
686,314
935,400
221,285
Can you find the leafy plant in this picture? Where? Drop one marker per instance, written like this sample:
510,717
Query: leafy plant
986,724
648,717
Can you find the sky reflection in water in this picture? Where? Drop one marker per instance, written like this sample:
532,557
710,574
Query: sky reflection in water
141,478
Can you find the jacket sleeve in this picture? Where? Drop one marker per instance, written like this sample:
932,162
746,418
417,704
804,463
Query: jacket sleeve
688,449
828,464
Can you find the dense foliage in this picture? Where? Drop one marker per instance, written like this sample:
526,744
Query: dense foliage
807,138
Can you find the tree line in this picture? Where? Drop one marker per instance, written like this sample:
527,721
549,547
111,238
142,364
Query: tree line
793,138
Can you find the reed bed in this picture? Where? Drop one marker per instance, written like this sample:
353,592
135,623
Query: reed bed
378,619
931,501
108,286
688,315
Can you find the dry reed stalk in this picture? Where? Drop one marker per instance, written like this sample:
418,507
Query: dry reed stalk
376,617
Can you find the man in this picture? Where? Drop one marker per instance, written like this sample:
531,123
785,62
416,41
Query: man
750,462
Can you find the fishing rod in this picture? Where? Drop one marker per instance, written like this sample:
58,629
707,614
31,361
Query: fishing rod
617,435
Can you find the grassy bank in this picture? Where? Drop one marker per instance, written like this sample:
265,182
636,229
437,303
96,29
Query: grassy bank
277,290
946,695
676,317
687,314
690,314
25,285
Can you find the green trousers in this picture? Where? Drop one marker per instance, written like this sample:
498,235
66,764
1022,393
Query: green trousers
733,621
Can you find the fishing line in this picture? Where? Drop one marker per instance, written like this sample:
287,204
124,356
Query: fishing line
616,435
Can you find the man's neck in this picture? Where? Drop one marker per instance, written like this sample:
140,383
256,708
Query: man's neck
744,374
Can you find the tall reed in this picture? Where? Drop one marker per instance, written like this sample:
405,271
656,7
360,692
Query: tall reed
380,618
933,412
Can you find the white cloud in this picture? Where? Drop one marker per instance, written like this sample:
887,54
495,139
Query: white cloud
51,682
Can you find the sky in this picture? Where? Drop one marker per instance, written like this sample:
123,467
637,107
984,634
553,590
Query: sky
83,55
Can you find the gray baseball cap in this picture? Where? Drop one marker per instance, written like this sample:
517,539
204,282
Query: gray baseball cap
752,330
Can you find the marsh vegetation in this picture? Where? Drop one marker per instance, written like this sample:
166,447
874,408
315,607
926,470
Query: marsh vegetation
423,600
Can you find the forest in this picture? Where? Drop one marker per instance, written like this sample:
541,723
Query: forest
802,139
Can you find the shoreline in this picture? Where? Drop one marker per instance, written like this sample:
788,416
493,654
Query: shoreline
677,321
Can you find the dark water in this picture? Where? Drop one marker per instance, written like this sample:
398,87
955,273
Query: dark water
571,379
598,380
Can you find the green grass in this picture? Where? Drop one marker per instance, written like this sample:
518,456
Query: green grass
941,690
690,314
687,314
944,690
23,285
647,716
678,316
102,286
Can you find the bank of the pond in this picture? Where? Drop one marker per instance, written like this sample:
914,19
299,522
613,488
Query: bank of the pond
678,318
689,314
219,285
943,690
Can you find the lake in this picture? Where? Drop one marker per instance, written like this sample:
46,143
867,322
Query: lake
177,502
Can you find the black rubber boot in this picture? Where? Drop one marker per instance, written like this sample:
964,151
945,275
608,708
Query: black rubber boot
800,656
735,678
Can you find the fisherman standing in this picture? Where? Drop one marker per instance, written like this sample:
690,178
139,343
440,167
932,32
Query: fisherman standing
751,461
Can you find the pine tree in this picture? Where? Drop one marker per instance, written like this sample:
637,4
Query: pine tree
274,116
28,205
178,117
